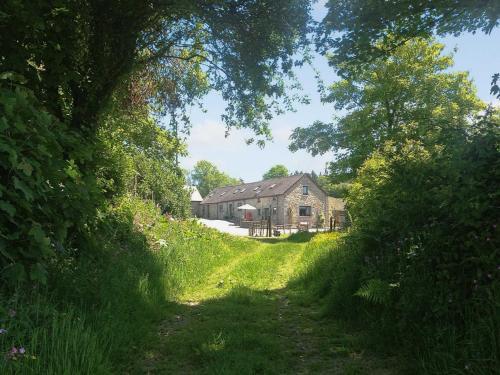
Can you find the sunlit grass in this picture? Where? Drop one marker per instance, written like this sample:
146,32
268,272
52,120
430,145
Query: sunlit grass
176,297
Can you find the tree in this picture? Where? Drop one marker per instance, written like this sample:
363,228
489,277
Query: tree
337,190
278,170
206,176
73,56
372,29
62,70
408,95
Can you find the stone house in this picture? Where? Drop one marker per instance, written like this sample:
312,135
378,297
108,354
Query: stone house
287,200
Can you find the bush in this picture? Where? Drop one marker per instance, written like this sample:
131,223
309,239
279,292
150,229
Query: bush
419,267
43,195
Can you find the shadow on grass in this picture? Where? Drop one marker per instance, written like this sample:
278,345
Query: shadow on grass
299,237
117,286
250,332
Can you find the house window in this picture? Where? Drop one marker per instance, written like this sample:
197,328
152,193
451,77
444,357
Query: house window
275,211
305,190
221,208
304,210
258,211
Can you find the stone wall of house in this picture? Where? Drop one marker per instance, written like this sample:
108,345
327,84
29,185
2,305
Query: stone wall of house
284,209
229,210
316,199
195,209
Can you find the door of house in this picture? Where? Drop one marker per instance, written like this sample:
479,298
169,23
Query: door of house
266,213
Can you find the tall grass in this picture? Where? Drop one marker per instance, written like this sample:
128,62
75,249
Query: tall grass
100,307
335,274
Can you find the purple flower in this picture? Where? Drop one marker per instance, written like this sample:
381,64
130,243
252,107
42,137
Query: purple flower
3,331
13,351
22,350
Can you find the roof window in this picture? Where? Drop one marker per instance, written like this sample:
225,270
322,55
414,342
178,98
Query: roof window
242,190
257,188
221,194
273,185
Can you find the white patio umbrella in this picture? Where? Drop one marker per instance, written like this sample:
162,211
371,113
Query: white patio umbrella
246,207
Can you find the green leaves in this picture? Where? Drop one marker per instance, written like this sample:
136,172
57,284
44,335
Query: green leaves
206,177
7,207
372,29
375,291
34,207
20,185
278,170
408,95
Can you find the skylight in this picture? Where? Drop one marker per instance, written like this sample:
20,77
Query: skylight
273,185
221,194
257,188
234,192
242,190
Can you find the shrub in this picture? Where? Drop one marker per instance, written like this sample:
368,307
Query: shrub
44,194
425,222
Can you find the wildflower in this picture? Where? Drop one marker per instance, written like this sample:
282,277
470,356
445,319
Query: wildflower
22,350
12,313
3,331
489,276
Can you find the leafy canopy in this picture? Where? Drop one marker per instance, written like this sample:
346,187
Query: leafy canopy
74,55
206,177
373,28
278,170
408,95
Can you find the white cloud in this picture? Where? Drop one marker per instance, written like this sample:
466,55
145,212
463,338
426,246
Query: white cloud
232,155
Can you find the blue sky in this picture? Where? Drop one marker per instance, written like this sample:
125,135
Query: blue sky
478,54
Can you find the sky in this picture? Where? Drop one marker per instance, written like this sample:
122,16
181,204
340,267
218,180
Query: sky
476,53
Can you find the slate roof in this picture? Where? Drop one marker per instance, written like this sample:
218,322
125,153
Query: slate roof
265,188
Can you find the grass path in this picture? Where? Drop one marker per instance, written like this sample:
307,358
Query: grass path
244,319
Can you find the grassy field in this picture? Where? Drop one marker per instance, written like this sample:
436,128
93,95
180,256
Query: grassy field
158,297
244,318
